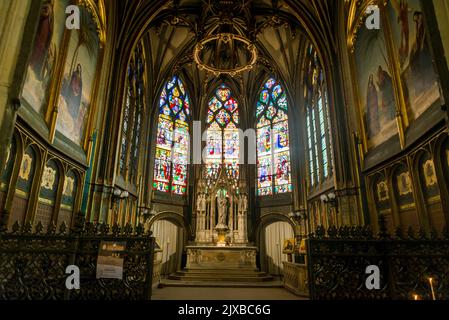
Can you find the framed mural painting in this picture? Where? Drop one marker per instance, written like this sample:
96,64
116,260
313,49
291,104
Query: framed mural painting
45,55
412,51
78,81
375,84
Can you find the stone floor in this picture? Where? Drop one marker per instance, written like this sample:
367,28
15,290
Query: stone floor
216,293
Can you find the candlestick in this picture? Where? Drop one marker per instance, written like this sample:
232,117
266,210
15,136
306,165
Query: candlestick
431,288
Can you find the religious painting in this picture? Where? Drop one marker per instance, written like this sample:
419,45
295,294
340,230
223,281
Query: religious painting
25,168
428,178
381,194
172,139
404,183
403,190
382,191
289,246
26,172
78,79
44,54
375,86
69,191
429,173
49,183
409,34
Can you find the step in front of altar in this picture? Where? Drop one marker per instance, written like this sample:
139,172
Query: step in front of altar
233,265
221,275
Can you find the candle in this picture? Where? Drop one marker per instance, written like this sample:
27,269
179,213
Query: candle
415,297
431,288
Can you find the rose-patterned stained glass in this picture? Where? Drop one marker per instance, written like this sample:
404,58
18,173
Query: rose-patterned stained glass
273,145
231,105
172,139
270,83
223,93
222,132
222,117
214,104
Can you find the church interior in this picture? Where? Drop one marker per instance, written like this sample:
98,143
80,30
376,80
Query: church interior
271,147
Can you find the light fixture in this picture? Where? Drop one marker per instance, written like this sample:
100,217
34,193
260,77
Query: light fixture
117,192
225,40
330,198
296,215
324,198
117,195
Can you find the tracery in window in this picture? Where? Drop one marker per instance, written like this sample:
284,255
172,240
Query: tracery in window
273,145
222,133
319,151
172,140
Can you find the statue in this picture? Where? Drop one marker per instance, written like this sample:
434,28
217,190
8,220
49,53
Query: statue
222,214
244,203
201,204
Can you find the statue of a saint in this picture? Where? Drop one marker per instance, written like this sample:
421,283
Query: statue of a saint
222,214
201,203
244,203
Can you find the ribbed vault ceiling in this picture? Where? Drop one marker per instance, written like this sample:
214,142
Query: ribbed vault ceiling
280,29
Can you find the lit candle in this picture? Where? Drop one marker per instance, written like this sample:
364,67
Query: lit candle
431,288
415,297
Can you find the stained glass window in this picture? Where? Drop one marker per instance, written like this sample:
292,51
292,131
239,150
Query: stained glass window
172,140
273,145
317,120
222,132
132,115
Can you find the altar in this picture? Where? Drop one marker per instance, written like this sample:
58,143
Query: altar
220,258
221,237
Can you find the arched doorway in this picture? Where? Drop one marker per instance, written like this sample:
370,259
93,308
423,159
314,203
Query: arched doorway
271,232
272,242
170,238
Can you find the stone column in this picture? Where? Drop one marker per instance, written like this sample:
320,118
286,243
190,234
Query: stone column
231,215
243,234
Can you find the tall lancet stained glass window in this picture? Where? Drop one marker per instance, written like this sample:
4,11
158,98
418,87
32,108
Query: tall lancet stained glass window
172,140
319,146
273,144
222,132
132,115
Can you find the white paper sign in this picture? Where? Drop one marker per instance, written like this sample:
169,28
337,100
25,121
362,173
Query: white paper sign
110,260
